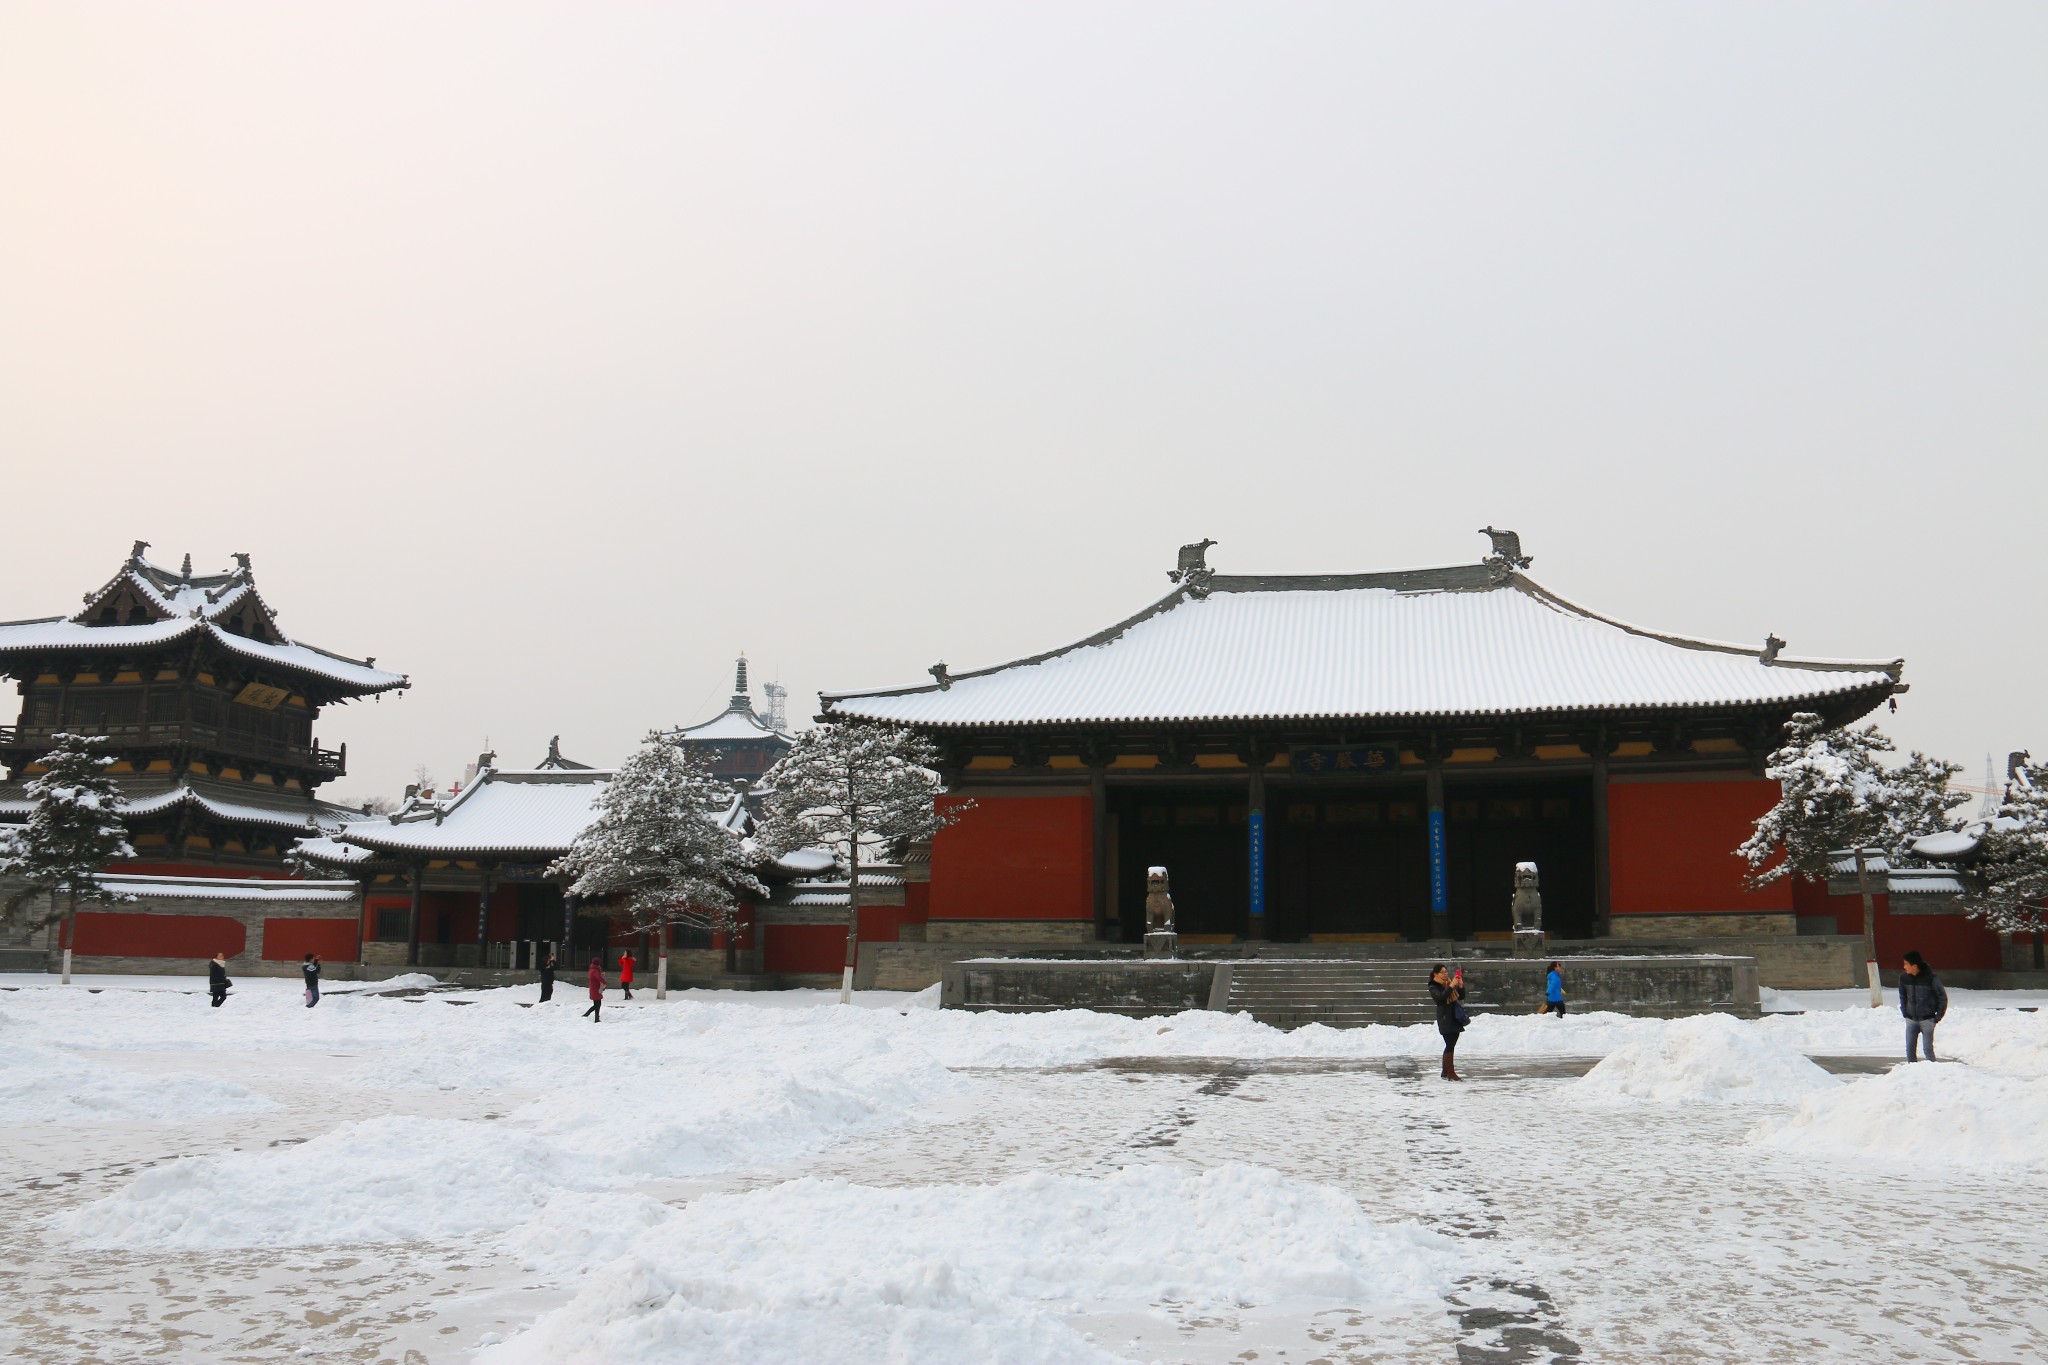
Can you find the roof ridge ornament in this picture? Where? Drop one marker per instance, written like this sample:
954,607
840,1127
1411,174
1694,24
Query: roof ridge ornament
1507,553
938,670
1772,646
1193,571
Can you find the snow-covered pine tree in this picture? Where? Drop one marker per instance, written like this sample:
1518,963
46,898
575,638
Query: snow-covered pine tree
72,834
1835,793
1922,802
659,847
2009,875
857,789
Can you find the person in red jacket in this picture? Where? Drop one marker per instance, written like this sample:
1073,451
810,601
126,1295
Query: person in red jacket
626,974
596,1011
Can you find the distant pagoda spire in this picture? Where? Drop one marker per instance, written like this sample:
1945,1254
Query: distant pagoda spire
742,697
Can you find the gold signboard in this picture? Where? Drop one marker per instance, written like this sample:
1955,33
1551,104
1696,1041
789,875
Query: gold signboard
262,696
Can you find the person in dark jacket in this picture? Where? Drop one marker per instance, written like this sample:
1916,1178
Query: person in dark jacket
596,1011
1553,991
217,982
1448,991
1922,1001
547,979
626,975
310,969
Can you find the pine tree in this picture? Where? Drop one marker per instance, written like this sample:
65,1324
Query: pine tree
1835,794
861,790
2009,874
659,848
71,835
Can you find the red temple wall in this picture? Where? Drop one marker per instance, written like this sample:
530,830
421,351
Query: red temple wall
119,934
1016,857
288,940
804,948
1671,846
1948,941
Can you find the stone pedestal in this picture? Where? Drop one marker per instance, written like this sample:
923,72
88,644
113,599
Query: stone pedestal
1162,943
1528,943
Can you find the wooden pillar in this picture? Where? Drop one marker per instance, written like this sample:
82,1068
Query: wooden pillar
1098,796
1255,851
1439,880
412,918
1603,905
567,956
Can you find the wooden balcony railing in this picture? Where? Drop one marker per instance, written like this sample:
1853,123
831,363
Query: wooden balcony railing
226,743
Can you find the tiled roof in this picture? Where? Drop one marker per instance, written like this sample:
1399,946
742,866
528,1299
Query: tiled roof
736,722
230,888
234,803
192,606
537,812
1415,643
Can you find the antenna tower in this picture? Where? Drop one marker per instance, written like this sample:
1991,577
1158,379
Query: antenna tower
778,705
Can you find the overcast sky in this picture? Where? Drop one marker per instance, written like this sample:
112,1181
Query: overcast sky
555,354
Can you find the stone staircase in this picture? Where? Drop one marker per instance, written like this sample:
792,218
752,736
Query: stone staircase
1340,994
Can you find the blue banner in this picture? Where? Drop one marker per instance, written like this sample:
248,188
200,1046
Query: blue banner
1257,823
1439,894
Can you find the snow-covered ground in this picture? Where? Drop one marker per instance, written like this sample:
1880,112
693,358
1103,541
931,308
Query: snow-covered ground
760,1178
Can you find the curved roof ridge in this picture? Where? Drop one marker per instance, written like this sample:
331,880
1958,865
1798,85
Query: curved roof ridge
1560,602
1457,640
1100,637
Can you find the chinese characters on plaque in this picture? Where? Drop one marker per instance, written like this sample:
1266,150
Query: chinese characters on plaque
1355,760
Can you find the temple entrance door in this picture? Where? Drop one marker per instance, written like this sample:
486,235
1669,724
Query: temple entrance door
1201,840
1349,866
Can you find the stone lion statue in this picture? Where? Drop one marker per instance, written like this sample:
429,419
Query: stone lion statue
1158,902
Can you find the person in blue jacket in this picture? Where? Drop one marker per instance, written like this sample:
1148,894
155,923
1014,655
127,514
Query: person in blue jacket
1553,991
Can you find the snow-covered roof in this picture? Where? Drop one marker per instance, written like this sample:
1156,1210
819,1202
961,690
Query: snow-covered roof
1960,845
805,862
733,723
739,720
1888,880
325,848
181,605
536,811
232,802
1425,642
229,888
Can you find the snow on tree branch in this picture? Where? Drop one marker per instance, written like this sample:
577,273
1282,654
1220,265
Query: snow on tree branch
1836,794
2008,876
72,834
659,848
842,785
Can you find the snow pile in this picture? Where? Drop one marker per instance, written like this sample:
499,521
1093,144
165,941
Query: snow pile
409,981
44,1085
383,1179
1927,1114
1706,1059
823,1270
580,1232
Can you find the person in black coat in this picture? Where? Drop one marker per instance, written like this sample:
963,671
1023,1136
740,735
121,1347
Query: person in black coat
547,979
310,969
217,982
1448,991
1922,1001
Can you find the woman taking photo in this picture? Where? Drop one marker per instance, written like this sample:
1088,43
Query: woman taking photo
1448,991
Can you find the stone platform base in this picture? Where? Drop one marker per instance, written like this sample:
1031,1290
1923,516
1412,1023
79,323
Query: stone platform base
1351,992
1022,986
